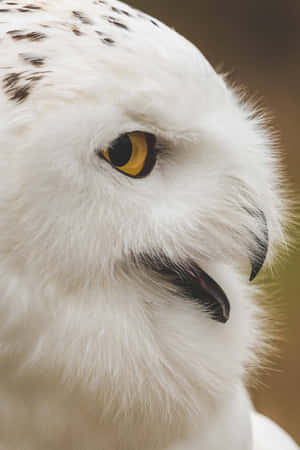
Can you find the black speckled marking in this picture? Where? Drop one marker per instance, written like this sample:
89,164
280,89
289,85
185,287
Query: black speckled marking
3,10
11,79
99,32
82,17
36,36
126,13
16,91
108,41
21,93
120,11
146,17
18,85
32,7
154,23
19,35
76,30
117,23
34,60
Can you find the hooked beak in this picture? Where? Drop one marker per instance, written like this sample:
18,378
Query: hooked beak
195,284
257,258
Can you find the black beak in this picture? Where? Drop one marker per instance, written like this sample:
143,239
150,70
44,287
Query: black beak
258,257
193,283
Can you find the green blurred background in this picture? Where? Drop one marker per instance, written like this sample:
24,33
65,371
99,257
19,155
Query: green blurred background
258,43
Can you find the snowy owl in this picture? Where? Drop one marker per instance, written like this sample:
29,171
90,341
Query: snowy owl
136,186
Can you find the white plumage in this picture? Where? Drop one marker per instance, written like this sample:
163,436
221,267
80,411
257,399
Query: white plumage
127,318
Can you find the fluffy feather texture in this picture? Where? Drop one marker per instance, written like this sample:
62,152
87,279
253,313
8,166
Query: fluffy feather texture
97,352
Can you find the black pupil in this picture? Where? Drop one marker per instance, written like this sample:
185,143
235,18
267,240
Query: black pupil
120,151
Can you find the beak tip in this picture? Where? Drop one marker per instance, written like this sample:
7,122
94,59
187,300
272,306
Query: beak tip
256,268
258,260
253,275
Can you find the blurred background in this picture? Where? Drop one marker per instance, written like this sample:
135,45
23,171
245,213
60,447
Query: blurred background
258,43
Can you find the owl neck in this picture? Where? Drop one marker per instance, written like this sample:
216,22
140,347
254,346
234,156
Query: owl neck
123,357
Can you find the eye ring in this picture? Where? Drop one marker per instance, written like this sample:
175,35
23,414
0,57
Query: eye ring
133,154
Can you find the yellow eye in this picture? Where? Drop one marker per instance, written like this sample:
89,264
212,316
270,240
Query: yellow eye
132,154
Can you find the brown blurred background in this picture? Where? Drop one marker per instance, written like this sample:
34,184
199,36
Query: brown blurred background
258,43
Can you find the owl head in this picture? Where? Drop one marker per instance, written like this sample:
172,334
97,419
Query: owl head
137,188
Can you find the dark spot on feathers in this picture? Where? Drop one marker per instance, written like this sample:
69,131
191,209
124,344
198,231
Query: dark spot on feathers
13,87
120,11
99,32
116,22
126,13
146,17
76,31
36,36
19,94
82,17
32,7
154,23
18,85
23,10
4,10
34,60
19,35
11,79
108,41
